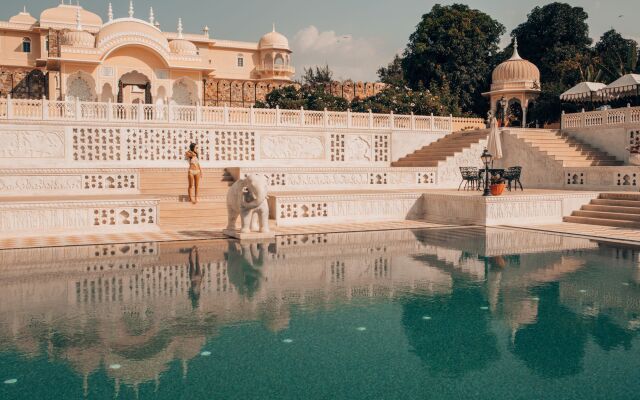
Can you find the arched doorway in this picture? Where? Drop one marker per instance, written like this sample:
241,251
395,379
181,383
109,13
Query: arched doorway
514,113
107,93
134,88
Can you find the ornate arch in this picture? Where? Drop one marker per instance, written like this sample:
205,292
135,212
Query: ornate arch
81,86
185,92
131,39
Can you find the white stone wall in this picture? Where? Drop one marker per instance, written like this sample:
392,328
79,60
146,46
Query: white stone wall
80,215
538,169
307,209
503,210
313,179
611,139
449,171
91,145
624,178
43,182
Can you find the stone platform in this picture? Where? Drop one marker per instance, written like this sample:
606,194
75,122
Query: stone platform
331,207
529,207
88,214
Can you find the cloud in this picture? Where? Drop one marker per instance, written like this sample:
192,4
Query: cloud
348,57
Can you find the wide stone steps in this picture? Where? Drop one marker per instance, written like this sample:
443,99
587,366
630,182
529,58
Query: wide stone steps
616,202
448,146
174,182
569,151
207,213
603,222
170,186
610,209
608,215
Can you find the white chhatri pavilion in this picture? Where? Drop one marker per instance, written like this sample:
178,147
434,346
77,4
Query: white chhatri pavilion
514,81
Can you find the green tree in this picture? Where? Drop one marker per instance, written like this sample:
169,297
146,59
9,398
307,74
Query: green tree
616,55
320,76
454,44
552,35
393,74
555,37
311,98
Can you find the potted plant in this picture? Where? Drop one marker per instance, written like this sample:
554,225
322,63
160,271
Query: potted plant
634,152
497,185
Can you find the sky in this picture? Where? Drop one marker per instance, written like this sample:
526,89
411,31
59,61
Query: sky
355,37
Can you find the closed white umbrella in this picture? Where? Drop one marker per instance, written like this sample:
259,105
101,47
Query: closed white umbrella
494,146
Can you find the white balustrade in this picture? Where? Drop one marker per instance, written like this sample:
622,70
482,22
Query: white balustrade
610,117
26,109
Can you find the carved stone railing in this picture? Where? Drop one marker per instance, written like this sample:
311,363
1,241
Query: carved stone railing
46,110
612,117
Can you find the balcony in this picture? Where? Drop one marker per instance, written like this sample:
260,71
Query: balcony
274,69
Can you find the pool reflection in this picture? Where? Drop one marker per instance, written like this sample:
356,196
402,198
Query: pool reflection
460,293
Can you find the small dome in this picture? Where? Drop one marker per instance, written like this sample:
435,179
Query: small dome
183,47
23,18
515,69
65,14
274,40
78,39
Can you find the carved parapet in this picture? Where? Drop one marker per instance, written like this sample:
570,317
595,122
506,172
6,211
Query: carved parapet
24,215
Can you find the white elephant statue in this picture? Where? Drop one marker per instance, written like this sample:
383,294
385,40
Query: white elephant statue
248,198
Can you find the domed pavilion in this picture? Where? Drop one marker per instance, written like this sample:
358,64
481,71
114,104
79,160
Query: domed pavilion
514,82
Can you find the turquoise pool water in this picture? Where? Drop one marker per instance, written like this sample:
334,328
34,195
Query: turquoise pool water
438,314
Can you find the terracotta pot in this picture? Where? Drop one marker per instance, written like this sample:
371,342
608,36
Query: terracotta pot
634,159
497,189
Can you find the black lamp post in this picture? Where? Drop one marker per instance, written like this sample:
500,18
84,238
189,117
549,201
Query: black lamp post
486,158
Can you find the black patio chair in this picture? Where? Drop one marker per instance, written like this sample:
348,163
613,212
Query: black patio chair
469,177
512,174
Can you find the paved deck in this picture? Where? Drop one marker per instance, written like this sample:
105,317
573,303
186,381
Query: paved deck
58,240
595,232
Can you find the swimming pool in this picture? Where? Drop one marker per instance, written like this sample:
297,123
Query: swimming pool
437,313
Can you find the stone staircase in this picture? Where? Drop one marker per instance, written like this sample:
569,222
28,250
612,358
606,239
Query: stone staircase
175,211
439,151
620,210
565,149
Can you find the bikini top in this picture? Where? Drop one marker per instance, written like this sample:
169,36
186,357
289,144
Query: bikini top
193,158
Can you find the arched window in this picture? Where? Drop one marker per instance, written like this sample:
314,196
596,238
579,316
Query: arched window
279,60
26,45
46,43
240,60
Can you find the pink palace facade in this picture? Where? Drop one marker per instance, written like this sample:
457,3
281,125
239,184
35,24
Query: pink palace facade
71,53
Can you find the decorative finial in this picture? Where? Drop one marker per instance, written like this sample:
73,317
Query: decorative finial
151,16
78,23
131,9
515,55
274,27
179,28
24,9
110,13
206,31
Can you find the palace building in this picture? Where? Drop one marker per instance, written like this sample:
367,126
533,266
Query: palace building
71,53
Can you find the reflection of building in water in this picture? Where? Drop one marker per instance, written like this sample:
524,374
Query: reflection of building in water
132,305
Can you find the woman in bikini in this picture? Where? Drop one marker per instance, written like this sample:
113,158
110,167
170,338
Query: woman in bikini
195,173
